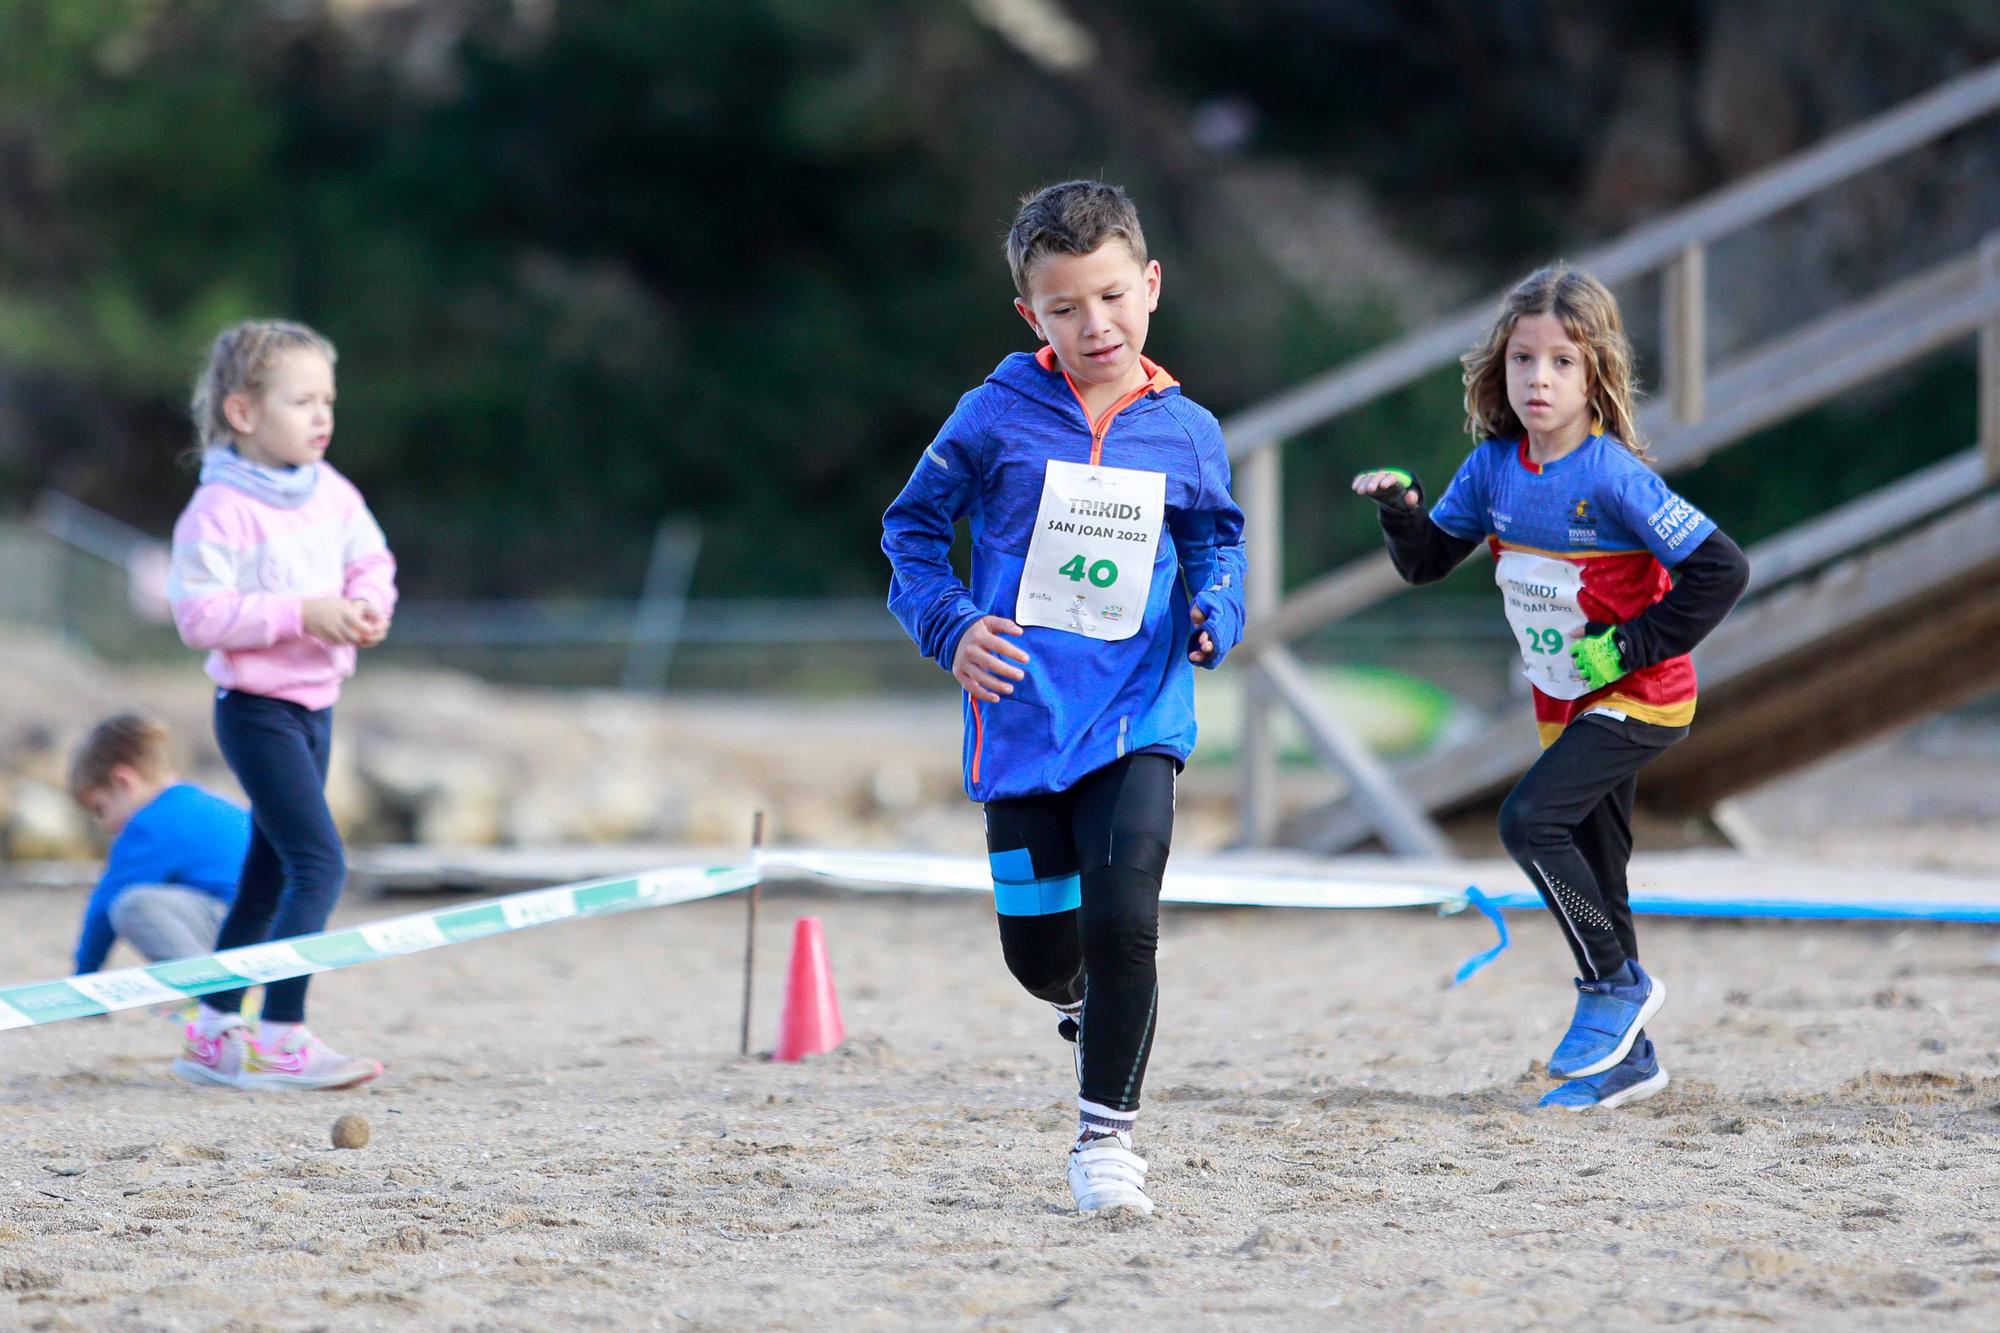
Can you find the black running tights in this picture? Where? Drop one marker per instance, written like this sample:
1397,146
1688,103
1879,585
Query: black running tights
1568,824
1077,884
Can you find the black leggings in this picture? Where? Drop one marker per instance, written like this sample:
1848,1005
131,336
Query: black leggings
294,870
1077,884
1568,824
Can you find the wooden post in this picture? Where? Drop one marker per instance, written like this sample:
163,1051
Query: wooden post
750,928
1261,495
1684,340
1261,492
1259,806
1402,824
656,624
1989,360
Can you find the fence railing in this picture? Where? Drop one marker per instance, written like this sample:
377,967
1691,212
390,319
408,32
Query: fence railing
1694,417
631,642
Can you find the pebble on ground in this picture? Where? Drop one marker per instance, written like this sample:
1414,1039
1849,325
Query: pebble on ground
350,1131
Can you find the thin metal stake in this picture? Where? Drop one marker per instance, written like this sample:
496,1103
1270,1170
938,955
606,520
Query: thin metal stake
750,928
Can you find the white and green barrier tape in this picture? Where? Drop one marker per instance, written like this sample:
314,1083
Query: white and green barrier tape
252,965
1193,880
1212,882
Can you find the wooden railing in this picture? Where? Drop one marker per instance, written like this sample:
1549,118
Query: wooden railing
1693,418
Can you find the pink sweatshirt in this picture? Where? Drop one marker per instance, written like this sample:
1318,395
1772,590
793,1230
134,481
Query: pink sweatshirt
243,570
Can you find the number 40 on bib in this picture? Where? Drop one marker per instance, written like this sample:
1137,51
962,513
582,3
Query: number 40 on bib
1089,569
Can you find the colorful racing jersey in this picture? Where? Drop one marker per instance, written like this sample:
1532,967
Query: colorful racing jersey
1587,538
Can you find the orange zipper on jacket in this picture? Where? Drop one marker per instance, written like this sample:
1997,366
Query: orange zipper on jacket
978,738
1157,379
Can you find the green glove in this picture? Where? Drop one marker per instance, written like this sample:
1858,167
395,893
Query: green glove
1599,658
1394,499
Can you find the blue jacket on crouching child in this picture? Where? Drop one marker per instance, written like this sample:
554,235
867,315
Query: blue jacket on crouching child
1085,702
185,837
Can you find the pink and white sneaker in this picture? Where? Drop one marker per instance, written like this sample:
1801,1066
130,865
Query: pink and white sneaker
301,1060
212,1051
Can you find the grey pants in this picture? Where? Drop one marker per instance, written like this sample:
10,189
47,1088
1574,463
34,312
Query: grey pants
164,921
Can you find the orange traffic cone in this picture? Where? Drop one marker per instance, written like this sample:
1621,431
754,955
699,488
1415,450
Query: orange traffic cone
810,1024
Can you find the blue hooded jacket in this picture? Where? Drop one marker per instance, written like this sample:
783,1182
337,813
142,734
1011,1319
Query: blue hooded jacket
183,836
1085,702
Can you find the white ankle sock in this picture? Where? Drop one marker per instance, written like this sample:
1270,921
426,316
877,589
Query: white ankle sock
1094,1120
214,1022
274,1034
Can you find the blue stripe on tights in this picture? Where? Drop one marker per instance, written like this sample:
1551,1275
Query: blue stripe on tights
1013,866
1016,891
1042,897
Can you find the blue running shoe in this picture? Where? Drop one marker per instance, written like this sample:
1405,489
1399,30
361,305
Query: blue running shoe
1638,1077
1609,1017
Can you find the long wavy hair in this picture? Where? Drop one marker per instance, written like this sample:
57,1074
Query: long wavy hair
1589,314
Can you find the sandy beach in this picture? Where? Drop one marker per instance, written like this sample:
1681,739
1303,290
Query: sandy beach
566,1138
669,464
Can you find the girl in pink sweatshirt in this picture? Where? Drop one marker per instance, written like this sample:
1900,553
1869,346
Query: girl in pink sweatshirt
281,574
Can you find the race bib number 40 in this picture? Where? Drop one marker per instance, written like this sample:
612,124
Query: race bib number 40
1090,562
1541,596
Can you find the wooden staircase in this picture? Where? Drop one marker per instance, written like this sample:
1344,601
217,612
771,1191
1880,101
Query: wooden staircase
1858,621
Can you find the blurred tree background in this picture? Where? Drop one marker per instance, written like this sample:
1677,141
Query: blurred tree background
595,262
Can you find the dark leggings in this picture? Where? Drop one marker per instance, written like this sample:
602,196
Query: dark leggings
1568,824
1077,885
294,869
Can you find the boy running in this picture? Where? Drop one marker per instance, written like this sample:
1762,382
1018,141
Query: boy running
1107,562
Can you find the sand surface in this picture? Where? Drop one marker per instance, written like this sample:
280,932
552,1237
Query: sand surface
566,1138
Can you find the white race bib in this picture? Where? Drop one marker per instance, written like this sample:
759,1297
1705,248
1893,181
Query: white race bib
1090,562
1541,595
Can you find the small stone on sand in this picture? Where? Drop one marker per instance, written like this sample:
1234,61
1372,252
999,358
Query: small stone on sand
350,1131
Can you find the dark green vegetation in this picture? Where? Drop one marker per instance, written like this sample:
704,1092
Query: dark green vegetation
591,263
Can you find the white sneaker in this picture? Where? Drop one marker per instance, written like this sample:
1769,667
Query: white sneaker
1104,1172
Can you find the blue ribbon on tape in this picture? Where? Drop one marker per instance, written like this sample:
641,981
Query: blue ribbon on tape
1783,909
1486,907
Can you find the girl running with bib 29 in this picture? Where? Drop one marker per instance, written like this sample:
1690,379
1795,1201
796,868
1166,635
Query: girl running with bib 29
1609,580
1107,561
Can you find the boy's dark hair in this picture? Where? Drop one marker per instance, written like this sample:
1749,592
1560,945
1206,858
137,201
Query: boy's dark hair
127,740
1073,218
